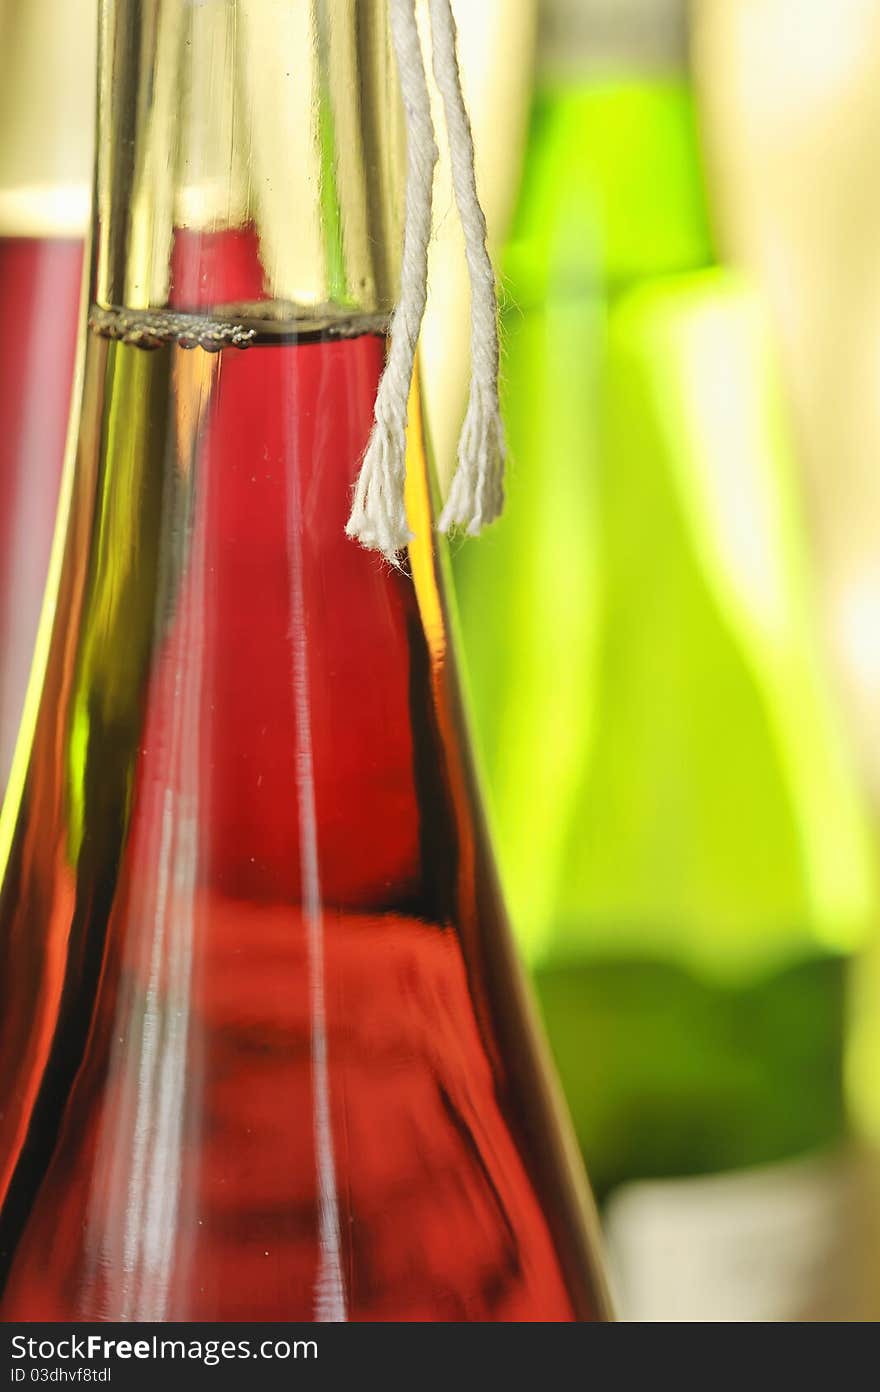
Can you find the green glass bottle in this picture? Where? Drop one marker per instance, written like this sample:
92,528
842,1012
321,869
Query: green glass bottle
683,845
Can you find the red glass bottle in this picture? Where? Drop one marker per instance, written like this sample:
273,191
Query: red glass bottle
264,1047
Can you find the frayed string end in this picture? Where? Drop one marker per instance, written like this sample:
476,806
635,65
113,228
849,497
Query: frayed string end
476,494
378,513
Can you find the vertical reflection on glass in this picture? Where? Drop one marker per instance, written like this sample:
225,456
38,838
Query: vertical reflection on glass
138,1169
329,1290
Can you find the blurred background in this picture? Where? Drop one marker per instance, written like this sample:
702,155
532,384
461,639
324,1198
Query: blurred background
672,637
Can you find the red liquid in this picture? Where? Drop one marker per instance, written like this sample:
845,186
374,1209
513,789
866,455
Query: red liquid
39,292
274,1065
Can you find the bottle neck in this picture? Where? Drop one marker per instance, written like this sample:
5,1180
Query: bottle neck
613,190
269,118
242,286
588,37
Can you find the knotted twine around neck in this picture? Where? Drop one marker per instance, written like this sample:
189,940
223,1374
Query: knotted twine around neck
476,495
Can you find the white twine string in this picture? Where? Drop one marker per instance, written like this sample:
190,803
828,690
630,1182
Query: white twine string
378,516
476,494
